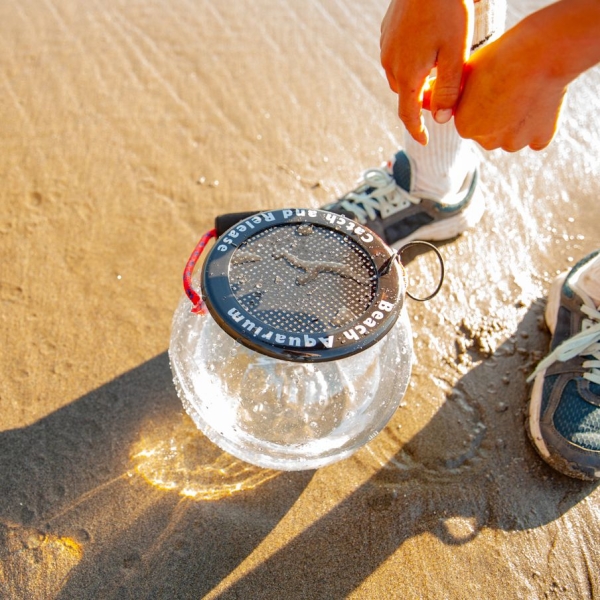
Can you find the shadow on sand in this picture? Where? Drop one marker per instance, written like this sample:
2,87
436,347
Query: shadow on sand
486,476
69,478
78,521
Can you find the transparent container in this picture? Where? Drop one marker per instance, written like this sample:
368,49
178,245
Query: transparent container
299,350
286,415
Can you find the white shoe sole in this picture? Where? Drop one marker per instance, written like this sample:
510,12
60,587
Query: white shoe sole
535,403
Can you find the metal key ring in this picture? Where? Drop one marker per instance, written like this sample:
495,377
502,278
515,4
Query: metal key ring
431,247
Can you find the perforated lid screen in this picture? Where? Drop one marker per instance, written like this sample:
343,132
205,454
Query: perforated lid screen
303,278
302,285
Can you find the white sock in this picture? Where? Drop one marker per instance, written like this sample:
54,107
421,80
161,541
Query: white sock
490,16
440,167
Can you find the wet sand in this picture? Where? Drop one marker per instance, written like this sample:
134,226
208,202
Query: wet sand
127,127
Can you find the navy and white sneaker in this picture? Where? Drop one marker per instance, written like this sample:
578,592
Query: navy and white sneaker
384,202
564,411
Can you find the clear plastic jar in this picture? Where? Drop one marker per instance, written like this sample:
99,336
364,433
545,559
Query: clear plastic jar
286,415
300,350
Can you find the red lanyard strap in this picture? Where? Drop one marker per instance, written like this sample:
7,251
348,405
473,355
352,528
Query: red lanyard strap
198,305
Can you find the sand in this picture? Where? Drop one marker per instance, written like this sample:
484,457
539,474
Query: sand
127,127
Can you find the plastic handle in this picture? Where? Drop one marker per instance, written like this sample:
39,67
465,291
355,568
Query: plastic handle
198,305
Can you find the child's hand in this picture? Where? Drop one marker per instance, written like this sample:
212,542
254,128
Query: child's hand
513,89
416,36
511,98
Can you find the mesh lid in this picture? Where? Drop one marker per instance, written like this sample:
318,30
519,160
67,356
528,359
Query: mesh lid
303,285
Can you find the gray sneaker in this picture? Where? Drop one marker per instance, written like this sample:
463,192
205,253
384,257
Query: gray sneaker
383,202
564,411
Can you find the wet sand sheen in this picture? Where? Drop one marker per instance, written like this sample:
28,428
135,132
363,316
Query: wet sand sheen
127,127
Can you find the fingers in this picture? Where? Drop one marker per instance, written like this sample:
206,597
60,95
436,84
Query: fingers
411,114
446,86
539,146
421,90
408,83
410,102
497,142
493,128
391,81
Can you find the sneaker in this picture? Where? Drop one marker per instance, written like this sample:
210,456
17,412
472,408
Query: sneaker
384,202
564,411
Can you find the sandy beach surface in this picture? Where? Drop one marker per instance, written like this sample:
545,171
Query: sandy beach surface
126,127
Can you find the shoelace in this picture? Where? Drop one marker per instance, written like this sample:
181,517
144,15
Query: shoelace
384,197
585,343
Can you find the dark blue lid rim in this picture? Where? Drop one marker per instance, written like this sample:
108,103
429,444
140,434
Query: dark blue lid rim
333,344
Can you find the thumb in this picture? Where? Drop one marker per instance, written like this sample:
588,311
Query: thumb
445,91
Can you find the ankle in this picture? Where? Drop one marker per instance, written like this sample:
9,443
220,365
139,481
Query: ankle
440,168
